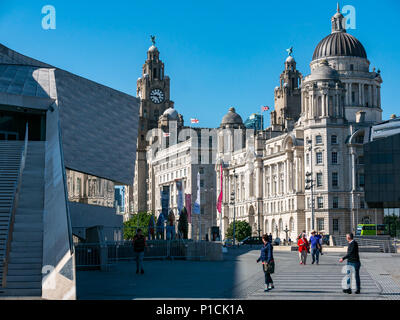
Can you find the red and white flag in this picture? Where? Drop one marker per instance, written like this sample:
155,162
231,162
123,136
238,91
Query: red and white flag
166,134
264,108
194,120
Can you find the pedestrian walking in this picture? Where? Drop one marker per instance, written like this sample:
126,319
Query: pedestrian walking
139,243
303,249
314,242
353,261
171,226
320,236
268,263
270,237
151,228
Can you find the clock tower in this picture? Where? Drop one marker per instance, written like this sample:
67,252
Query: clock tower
153,89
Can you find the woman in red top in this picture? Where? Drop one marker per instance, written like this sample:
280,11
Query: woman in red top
303,249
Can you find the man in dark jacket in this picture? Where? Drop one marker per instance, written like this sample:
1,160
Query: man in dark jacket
353,261
139,243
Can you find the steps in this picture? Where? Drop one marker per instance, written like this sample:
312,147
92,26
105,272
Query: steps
24,275
10,159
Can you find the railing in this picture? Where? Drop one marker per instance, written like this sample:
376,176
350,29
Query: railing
14,207
383,245
64,176
90,254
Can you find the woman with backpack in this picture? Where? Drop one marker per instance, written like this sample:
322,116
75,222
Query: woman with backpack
267,259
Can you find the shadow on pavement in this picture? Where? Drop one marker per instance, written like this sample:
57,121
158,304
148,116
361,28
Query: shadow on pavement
170,278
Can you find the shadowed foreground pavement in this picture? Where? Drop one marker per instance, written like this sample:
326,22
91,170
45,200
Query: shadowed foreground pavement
237,277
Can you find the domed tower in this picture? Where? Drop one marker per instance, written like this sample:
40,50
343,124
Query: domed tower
230,134
347,56
170,115
323,95
287,95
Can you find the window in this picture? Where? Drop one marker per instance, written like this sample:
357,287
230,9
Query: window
308,158
352,67
335,179
201,170
318,139
335,223
335,202
361,182
360,160
319,179
360,139
362,202
319,157
320,201
353,97
333,139
201,183
334,157
320,224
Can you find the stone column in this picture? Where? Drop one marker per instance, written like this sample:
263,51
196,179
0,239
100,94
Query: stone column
360,102
371,102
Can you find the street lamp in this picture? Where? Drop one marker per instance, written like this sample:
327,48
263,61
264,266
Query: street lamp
286,230
234,211
208,190
310,183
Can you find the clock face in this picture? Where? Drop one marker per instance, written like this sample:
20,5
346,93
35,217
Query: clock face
157,96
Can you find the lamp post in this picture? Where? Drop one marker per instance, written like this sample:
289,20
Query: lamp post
309,179
213,207
358,206
286,230
234,210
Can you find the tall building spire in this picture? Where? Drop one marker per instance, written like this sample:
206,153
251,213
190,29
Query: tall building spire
338,21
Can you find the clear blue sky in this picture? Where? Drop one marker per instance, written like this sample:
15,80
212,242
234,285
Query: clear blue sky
218,53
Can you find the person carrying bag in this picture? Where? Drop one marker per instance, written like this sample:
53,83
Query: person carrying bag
268,262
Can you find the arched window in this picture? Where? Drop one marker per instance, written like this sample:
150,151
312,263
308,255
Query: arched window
291,224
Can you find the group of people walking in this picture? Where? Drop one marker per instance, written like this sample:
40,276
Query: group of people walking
314,244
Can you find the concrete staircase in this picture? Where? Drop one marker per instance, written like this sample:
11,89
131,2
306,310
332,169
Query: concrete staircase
24,277
10,158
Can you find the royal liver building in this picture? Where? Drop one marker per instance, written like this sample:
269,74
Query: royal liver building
317,131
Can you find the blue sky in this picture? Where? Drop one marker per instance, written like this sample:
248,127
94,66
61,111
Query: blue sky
218,53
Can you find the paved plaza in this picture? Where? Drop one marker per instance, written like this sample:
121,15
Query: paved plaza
240,277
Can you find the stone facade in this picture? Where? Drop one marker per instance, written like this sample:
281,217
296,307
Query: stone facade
85,188
318,127
181,158
153,89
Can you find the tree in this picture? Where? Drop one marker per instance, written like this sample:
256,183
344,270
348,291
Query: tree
393,222
242,230
140,220
183,226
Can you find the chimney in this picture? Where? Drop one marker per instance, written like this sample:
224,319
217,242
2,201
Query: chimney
360,116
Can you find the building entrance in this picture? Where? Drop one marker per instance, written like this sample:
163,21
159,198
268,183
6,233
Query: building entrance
13,123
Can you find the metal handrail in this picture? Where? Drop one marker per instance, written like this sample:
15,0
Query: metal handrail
64,176
14,207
